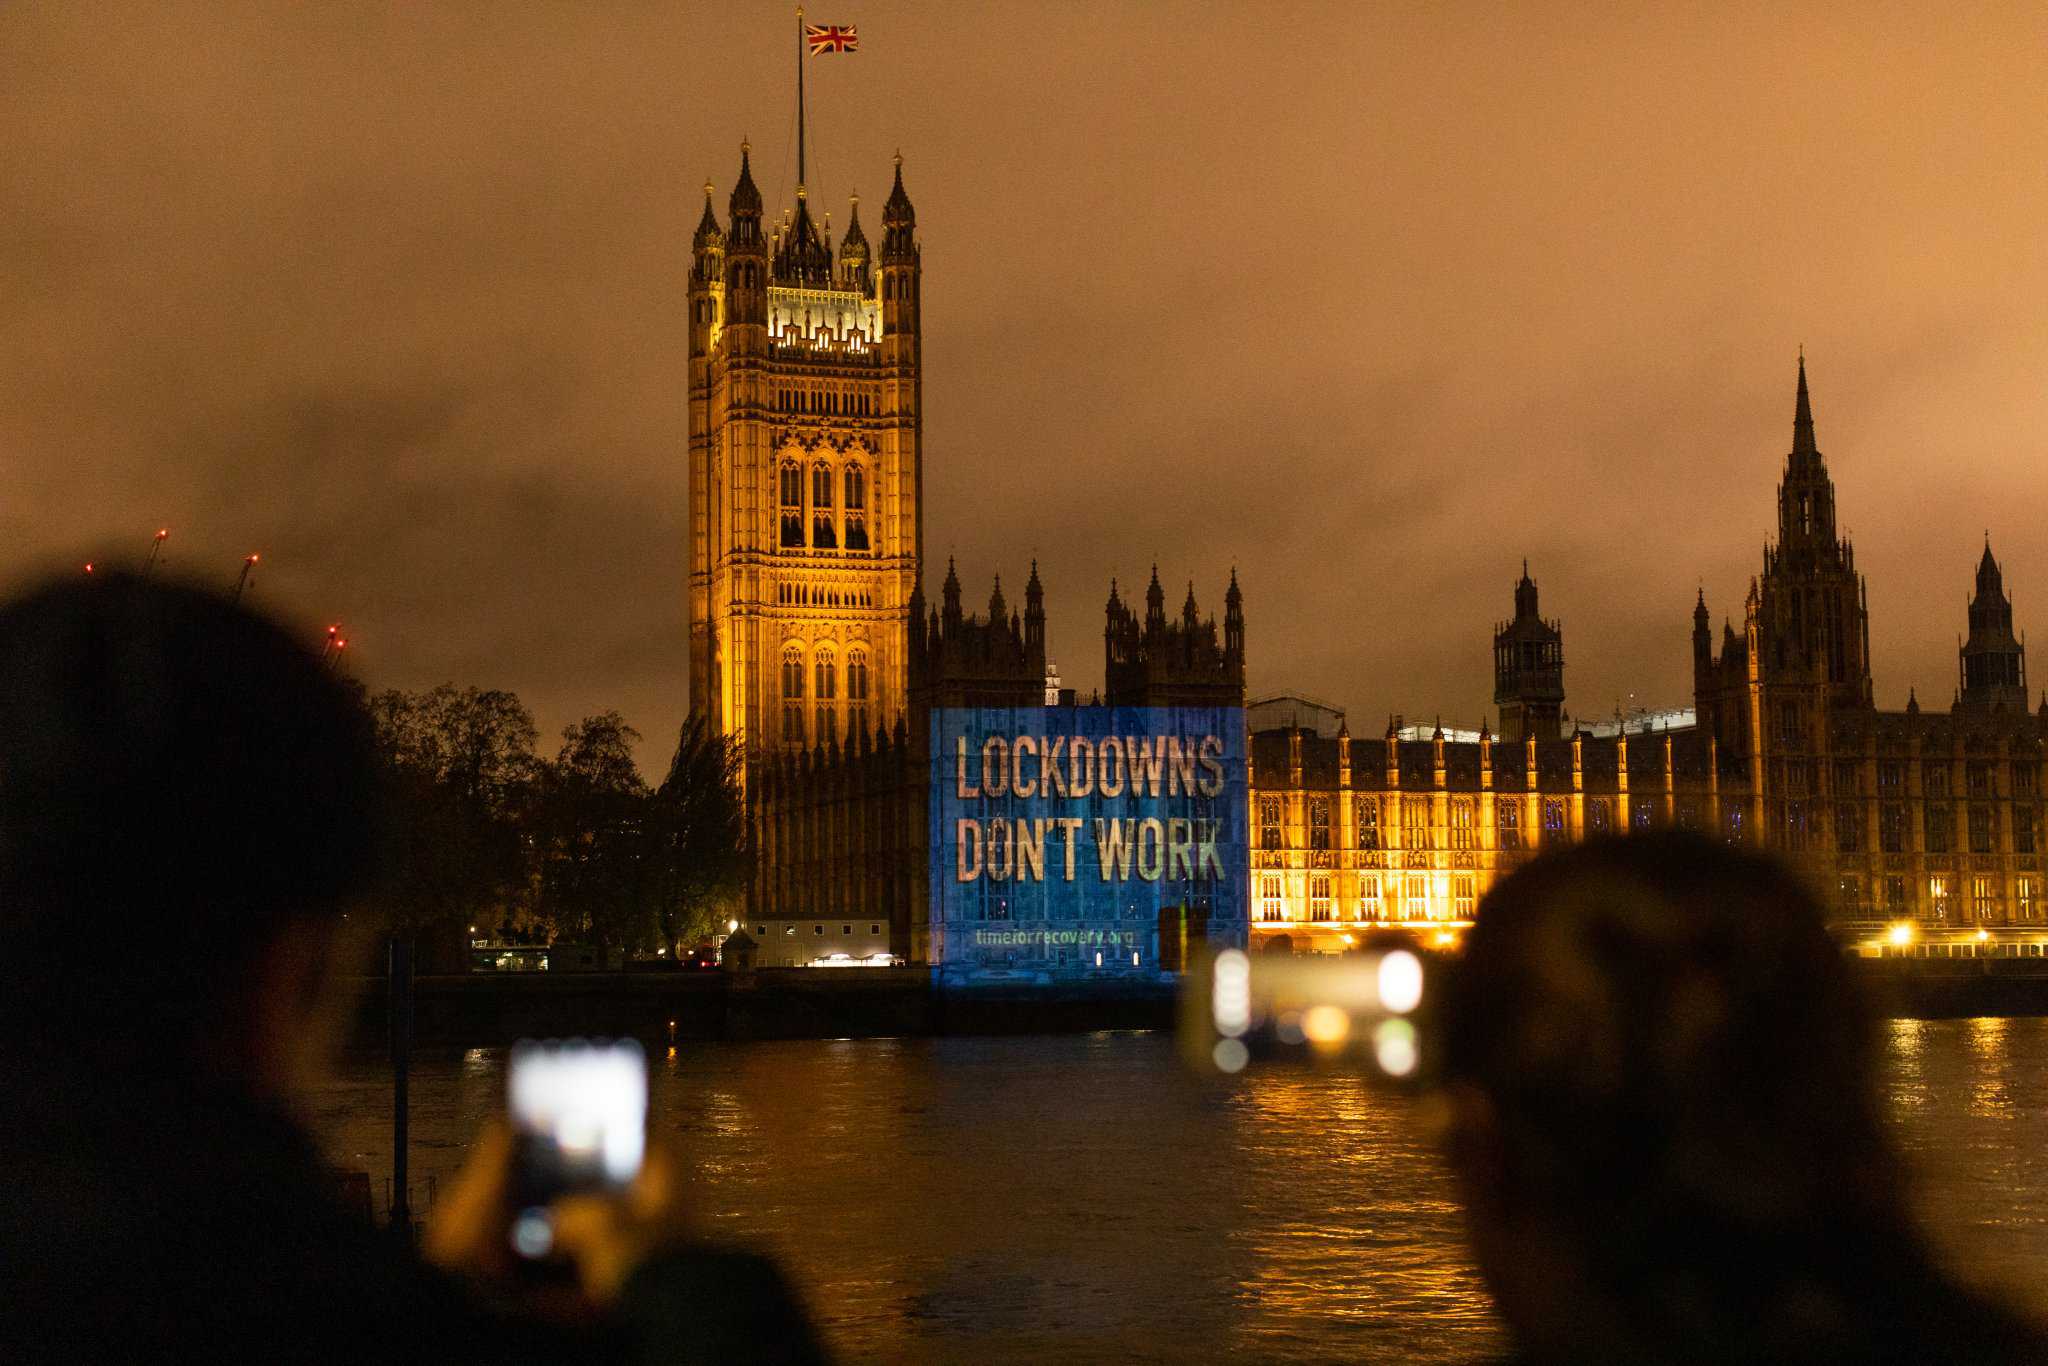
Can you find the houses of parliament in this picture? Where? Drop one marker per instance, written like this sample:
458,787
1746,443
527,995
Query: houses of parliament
814,645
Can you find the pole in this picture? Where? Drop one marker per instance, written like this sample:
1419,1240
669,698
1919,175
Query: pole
242,583
155,548
400,1002
799,101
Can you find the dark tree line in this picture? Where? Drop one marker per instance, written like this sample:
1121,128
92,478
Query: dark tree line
486,832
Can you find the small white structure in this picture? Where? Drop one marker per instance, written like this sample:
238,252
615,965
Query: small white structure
810,941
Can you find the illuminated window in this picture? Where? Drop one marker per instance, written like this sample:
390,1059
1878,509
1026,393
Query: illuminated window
1797,818
1415,897
1645,812
856,692
1599,816
1937,897
1415,832
1553,818
1370,907
1319,827
856,507
1508,823
1895,896
2025,778
1319,898
1368,822
2025,890
1983,900
1891,828
1848,828
1736,831
1463,902
1270,907
1983,830
1941,827
1891,776
1269,822
792,695
824,533
792,503
1849,895
1935,778
825,688
2023,829
1845,784
1978,776
1461,823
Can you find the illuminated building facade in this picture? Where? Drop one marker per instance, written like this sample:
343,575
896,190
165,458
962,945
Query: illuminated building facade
806,470
1929,818
841,827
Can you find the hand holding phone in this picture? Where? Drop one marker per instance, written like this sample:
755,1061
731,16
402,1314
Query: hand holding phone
579,1122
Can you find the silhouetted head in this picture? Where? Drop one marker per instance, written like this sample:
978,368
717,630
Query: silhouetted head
1658,1077
186,813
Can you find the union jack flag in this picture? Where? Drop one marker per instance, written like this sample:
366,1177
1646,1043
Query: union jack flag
831,38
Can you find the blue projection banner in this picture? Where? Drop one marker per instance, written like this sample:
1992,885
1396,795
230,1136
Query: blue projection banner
1064,838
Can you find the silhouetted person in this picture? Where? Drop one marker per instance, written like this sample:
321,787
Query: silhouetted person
186,830
1661,1111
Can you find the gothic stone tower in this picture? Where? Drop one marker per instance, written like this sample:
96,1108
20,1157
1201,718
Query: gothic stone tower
1993,662
806,470
1528,669
1774,697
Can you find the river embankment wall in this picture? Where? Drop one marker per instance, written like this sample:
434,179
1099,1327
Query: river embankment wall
484,1010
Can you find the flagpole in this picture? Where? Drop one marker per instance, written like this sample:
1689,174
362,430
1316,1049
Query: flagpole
799,101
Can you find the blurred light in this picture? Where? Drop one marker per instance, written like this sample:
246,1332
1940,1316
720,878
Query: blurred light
1445,939
1134,958
1393,1047
88,566
1231,1055
1900,933
731,926
1231,1000
533,1233
162,533
1326,1025
1400,981
1098,958
1288,1027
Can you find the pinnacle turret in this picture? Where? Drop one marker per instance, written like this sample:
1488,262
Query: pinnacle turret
708,232
746,196
897,211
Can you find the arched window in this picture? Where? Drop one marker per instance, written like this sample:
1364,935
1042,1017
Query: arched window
1319,824
824,533
825,690
792,503
792,694
856,505
856,691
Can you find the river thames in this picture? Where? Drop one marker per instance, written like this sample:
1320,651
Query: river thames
1069,1199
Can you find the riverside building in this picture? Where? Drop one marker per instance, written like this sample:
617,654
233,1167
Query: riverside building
1916,825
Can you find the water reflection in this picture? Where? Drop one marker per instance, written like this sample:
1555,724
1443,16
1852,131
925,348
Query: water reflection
1989,1097
1083,1199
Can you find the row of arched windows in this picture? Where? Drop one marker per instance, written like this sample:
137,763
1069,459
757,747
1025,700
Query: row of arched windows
828,529
824,694
827,402
806,595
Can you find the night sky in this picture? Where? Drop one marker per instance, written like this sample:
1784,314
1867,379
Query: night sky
1369,301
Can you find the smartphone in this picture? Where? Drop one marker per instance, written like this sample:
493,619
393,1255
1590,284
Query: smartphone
579,1124
1364,1009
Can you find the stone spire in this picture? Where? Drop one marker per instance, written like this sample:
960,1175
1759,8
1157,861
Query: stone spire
1802,415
